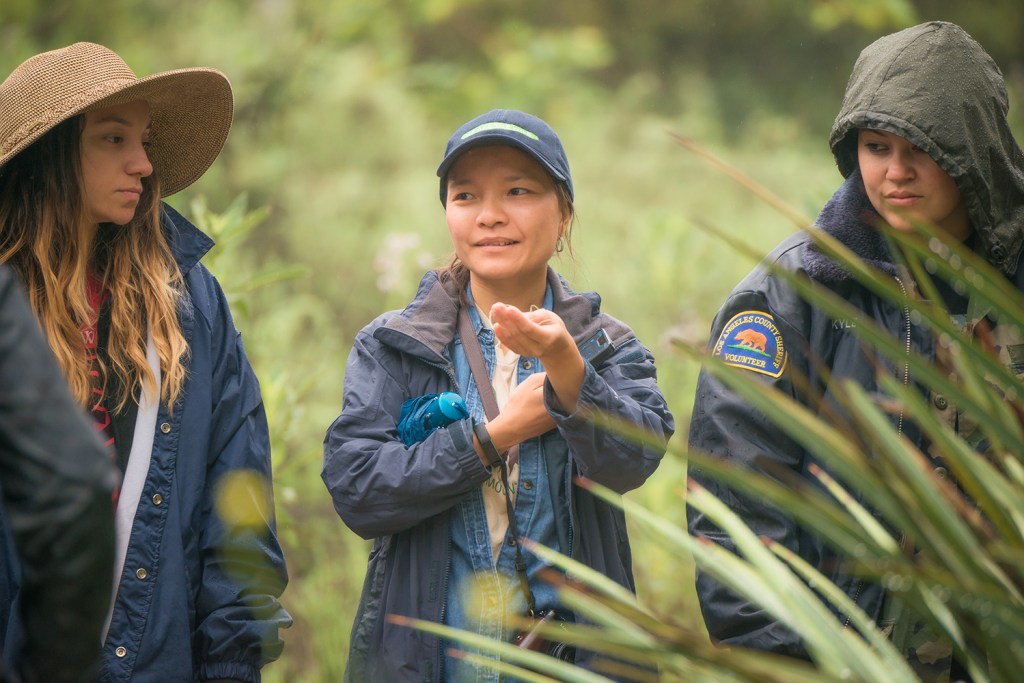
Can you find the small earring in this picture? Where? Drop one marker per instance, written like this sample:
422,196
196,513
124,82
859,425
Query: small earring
559,245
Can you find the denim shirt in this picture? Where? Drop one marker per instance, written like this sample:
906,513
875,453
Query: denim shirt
482,590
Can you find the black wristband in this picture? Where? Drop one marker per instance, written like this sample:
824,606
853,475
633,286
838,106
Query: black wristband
486,445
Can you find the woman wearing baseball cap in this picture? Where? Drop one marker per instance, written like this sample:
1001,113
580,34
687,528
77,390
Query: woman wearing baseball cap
533,362
146,342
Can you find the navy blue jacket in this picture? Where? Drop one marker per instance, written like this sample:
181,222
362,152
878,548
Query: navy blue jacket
402,497
936,87
197,600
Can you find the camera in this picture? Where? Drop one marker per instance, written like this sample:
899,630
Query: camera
531,639
597,348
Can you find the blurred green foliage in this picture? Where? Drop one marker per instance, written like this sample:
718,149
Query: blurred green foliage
325,205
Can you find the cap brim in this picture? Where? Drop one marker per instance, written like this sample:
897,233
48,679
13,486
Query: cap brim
496,137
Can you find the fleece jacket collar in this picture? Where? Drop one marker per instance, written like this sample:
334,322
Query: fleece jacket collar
849,217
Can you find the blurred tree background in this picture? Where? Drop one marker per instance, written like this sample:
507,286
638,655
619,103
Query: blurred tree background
325,205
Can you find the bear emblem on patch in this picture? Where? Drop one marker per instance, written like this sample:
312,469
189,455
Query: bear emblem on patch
752,341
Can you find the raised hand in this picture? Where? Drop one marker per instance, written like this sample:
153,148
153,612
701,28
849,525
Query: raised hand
542,334
534,333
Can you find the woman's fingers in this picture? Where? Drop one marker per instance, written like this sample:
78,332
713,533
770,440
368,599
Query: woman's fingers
530,333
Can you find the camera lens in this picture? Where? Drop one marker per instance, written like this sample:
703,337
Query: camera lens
563,652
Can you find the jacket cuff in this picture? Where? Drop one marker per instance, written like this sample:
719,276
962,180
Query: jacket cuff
229,672
461,433
588,389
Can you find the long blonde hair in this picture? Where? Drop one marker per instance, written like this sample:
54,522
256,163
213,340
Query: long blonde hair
45,236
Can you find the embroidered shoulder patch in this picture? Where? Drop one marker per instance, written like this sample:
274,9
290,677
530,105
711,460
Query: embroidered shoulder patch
752,341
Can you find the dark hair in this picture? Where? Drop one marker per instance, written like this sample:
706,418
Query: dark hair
50,167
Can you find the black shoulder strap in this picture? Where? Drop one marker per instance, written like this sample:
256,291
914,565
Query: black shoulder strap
478,366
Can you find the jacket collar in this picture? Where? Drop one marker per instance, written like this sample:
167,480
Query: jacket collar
581,312
848,217
188,243
427,325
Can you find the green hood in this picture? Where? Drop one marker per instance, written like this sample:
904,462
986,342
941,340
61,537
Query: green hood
935,86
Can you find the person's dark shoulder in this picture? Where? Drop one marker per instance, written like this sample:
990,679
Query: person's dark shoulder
769,285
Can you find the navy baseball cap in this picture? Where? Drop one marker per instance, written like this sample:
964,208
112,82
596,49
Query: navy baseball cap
513,128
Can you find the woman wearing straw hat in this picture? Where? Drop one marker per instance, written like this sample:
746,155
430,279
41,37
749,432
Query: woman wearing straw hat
145,339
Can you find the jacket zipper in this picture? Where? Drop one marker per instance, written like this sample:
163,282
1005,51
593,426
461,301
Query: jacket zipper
444,613
906,362
899,425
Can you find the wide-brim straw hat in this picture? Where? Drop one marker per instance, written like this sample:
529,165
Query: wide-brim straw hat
190,109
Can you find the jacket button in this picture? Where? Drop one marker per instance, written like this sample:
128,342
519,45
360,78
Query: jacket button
165,427
141,573
120,652
941,403
527,364
941,472
157,499
528,484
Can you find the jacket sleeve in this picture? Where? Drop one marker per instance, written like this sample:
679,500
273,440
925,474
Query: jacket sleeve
239,614
624,389
57,480
379,485
726,426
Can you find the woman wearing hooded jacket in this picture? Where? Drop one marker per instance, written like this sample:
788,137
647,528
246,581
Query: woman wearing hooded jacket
145,340
445,543
921,137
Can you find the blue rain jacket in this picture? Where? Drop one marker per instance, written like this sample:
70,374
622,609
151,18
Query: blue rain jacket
197,601
402,497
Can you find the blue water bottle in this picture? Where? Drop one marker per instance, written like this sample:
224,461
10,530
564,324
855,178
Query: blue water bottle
443,410
423,414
